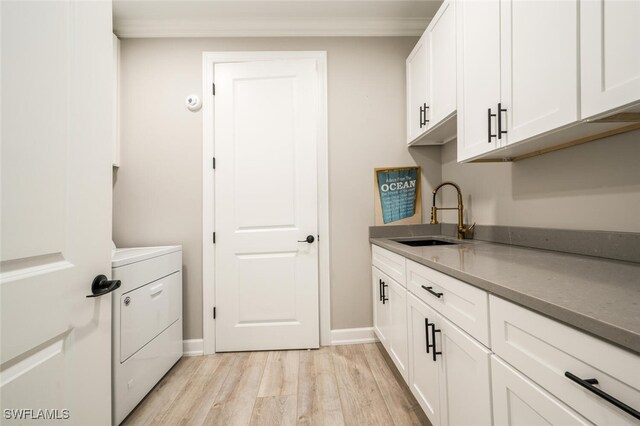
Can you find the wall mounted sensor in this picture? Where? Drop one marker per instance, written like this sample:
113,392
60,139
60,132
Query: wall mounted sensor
193,102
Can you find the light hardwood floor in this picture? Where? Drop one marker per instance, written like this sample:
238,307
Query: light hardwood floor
335,385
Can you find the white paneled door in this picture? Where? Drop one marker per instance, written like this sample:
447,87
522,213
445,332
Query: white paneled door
57,131
266,254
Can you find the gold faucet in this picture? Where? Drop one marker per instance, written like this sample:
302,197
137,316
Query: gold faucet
462,231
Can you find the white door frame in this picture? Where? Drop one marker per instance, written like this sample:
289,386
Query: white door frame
209,59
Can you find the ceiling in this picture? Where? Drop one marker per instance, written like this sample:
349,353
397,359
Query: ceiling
269,18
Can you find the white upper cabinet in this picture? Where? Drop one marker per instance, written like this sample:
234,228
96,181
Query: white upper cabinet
539,68
478,75
431,81
417,89
610,55
514,80
441,65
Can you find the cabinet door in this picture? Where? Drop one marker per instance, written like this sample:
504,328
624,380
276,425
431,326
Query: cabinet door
381,313
397,336
466,377
416,88
442,65
539,61
478,71
424,376
609,55
518,401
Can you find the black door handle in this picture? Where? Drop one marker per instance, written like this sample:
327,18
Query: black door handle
380,289
434,330
384,292
309,239
588,384
101,286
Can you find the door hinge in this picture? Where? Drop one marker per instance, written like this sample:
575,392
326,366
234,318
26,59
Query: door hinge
213,89
214,238
214,163
214,312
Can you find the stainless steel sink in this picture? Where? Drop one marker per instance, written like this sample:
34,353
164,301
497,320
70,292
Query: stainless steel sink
425,242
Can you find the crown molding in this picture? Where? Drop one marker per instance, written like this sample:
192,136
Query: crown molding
288,27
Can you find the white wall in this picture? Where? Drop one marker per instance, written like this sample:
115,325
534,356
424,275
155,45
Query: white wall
595,186
157,193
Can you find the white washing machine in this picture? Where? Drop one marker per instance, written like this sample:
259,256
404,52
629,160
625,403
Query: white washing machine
147,322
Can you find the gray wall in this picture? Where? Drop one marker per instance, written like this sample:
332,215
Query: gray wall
595,186
157,192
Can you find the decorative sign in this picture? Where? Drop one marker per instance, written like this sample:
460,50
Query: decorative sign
397,195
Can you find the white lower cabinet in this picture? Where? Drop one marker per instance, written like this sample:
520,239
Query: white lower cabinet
424,373
519,401
390,318
452,381
381,313
532,371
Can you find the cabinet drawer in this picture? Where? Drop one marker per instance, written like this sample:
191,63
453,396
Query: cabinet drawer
390,263
517,400
146,311
464,305
544,350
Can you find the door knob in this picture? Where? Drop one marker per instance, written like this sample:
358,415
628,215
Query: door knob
309,239
101,285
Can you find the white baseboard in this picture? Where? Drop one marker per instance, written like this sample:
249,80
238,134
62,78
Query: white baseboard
193,347
352,336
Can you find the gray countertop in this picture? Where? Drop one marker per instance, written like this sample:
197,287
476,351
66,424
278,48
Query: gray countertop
599,296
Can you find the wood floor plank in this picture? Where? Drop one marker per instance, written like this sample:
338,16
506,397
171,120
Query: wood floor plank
280,374
274,411
318,397
194,402
403,407
333,386
164,393
235,401
362,402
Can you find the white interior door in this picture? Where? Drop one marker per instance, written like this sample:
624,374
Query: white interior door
57,110
266,205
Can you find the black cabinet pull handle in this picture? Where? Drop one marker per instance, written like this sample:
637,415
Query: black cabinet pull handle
500,111
489,134
426,333
380,289
588,384
434,330
430,290
384,293
424,111
101,286
421,115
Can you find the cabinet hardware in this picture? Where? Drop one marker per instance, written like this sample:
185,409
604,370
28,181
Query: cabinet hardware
489,134
380,289
426,333
588,384
434,330
500,111
421,113
430,290
384,292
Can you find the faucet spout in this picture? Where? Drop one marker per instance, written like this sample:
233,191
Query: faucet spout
462,231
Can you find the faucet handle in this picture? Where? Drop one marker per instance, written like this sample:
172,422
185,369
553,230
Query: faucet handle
470,229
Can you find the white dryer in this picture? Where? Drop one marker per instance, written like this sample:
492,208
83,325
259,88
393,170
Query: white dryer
147,322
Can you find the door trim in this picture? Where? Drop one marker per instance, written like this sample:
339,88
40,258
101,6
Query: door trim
209,59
